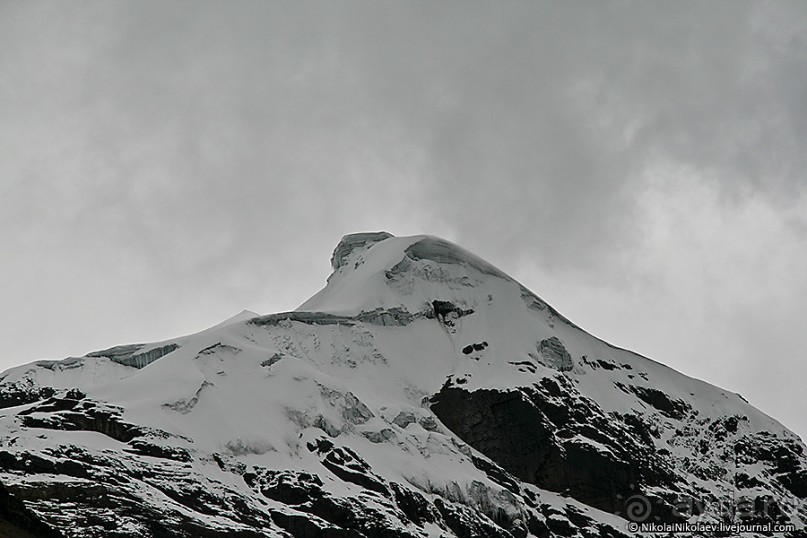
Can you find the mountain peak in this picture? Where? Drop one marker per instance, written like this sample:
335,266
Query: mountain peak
378,270
421,393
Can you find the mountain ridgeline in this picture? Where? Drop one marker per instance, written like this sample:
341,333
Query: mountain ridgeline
422,393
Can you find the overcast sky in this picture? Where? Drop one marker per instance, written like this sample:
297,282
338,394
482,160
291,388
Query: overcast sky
641,166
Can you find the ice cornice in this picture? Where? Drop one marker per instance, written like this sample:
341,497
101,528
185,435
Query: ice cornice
351,242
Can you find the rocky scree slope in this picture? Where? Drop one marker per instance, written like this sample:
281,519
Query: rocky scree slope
421,393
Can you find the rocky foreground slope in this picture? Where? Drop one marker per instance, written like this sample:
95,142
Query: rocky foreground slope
422,392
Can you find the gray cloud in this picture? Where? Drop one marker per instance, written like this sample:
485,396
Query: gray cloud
165,165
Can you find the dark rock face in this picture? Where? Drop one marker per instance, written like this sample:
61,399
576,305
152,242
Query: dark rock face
157,451
470,348
505,426
332,516
444,311
782,458
17,521
497,474
14,395
414,505
550,436
543,436
102,495
84,415
464,524
110,505
670,407
304,492
347,465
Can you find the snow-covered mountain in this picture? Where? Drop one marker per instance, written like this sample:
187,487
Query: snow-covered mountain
422,392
